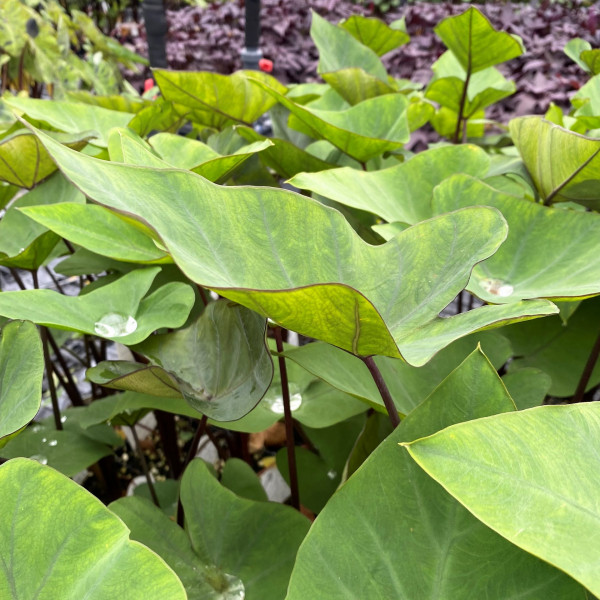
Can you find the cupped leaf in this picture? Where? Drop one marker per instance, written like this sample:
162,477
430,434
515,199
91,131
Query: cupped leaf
234,545
376,34
72,117
285,158
37,553
573,50
399,193
218,100
559,349
117,311
363,131
221,363
564,166
532,476
21,374
368,300
99,230
526,265
475,42
389,508
25,162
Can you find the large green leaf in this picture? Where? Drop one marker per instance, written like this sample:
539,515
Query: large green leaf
339,49
99,230
559,349
363,131
24,243
72,117
21,374
47,521
241,548
526,265
408,385
401,193
195,156
218,100
117,311
392,532
368,300
475,42
532,476
484,87
23,159
220,364
528,387
564,166
376,34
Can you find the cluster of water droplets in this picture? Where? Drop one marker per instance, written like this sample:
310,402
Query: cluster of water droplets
274,399
497,287
114,325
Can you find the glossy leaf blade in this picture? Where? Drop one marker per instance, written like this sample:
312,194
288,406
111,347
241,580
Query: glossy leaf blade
69,521
365,299
218,100
564,166
21,374
116,311
391,519
99,230
531,476
400,193
526,265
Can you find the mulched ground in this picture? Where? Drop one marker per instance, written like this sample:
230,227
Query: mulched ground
211,39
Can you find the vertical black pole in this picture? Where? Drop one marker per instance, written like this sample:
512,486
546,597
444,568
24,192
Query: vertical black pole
251,53
155,19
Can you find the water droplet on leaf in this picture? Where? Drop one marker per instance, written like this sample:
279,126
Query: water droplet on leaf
40,458
332,474
497,287
275,401
63,419
114,325
52,443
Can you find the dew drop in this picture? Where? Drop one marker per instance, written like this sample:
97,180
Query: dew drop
114,325
40,458
275,401
332,474
44,440
52,443
497,287
63,419
36,428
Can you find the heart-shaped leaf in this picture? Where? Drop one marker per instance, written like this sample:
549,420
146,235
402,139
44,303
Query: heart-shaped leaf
117,311
475,42
220,364
229,539
526,266
37,553
390,508
218,100
542,497
387,303
363,131
564,166
21,374
399,193
376,34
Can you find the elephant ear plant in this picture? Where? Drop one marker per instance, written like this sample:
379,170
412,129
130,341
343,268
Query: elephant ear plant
432,418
